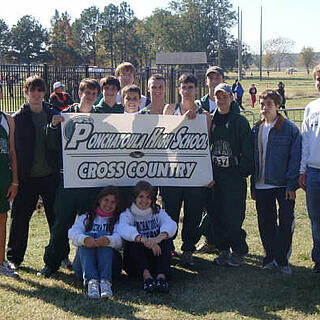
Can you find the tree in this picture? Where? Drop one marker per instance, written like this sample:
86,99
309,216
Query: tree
62,45
307,58
279,48
28,41
4,40
85,30
267,60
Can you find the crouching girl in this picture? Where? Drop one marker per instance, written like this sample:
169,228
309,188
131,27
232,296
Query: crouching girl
96,236
147,230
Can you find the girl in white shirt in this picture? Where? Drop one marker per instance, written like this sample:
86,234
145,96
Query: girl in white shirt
147,230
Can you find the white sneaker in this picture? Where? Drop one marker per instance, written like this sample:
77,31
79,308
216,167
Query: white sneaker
93,289
105,288
7,271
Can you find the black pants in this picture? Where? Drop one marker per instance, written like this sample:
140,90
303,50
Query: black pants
193,201
22,209
276,238
137,258
68,203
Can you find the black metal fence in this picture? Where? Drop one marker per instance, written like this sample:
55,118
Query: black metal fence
13,76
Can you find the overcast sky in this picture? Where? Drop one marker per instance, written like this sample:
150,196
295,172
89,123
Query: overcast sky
291,19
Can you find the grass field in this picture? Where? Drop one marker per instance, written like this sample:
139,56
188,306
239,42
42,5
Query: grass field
203,292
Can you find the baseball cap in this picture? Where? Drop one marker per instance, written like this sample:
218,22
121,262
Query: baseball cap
57,85
215,69
223,87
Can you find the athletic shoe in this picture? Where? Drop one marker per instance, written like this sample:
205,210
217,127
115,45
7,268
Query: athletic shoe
149,285
46,272
7,271
205,247
222,259
270,266
175,254
13,265
236,260
66,263
285,269
105,288
162,285
93,289
316,268
186,258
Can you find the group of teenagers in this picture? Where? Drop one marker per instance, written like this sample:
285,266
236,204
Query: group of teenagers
125,227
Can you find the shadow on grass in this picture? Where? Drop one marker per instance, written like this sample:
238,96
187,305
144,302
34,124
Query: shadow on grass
204,290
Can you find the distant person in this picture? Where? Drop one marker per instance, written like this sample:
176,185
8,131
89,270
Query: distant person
238,91
253,92
1,90
310,168
282,94
59,99
234,85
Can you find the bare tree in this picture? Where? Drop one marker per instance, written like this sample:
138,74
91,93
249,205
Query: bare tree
280,49
307,58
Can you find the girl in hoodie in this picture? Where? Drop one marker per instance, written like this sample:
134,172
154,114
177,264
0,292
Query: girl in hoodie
95,234
147,230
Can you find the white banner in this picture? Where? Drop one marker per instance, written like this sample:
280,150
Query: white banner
120,150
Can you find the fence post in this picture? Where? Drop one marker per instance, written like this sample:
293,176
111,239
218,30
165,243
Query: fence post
171,86
46,80
87,71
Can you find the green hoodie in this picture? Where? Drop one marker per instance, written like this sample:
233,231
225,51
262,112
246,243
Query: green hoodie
240,140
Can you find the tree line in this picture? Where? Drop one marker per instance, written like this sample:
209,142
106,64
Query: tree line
115,34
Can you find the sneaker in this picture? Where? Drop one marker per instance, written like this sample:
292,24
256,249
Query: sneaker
270,266
222,259
175,254
105,288
162,285
236,260
46,272
285,269
148,285
205,247
13,265
7,271
186,258
66,263
316,267
93,289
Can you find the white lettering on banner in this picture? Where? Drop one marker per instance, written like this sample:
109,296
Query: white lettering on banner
102,149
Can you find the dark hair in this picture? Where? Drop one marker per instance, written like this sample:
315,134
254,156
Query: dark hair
186,78
110,190
35,82
147,187
89,83
273,95
110,81
130,88
157,76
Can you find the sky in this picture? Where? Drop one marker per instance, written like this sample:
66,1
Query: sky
291,19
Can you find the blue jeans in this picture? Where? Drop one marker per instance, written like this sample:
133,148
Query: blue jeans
276,237
116,264
313,196
96,263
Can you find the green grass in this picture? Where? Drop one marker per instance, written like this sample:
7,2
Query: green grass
205,292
